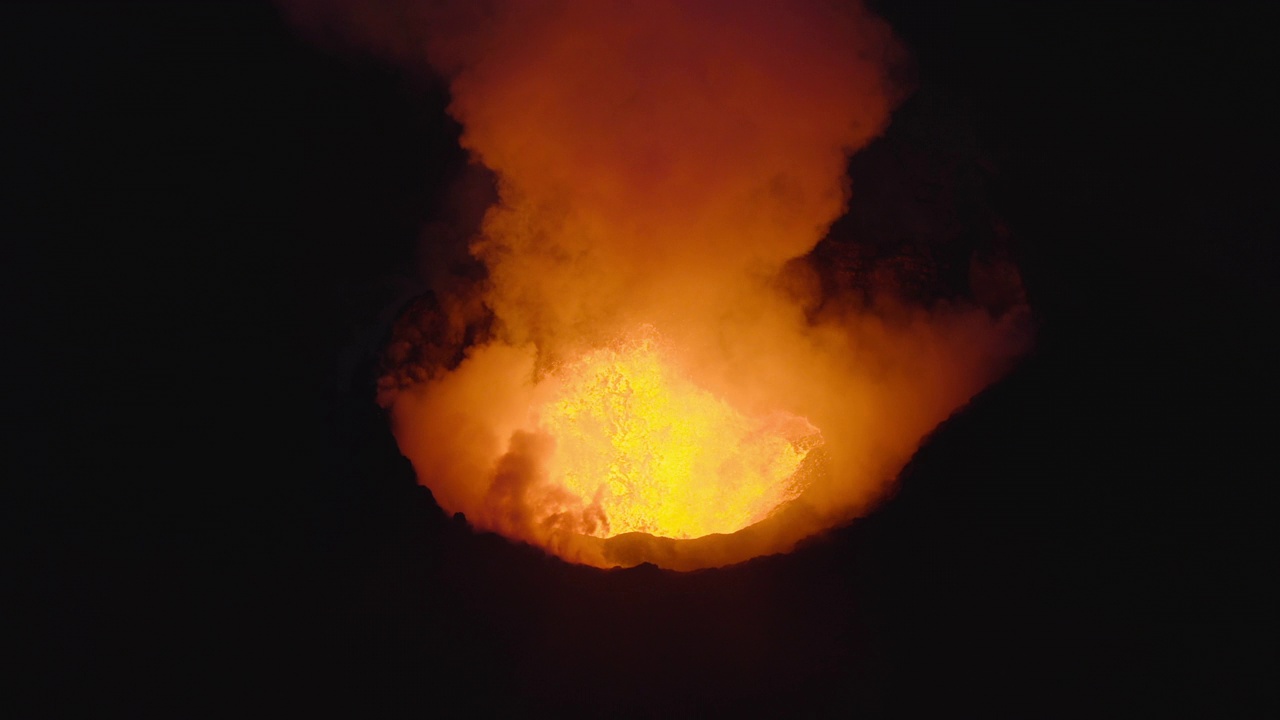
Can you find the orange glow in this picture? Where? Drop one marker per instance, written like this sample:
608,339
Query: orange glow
672,164
649,451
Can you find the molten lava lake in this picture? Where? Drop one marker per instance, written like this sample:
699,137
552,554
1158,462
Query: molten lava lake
611,456
638,447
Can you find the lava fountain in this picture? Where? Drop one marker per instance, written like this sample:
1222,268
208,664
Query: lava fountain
652,365
641,448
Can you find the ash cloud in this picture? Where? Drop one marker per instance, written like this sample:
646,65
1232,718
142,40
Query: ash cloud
674,164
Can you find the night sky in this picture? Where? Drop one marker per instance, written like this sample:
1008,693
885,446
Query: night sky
210,225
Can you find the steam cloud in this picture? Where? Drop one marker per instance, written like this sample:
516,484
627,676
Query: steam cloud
665,163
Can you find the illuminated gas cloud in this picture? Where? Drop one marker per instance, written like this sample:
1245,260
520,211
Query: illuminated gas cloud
652,368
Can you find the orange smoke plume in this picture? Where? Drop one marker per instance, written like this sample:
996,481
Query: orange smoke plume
662,376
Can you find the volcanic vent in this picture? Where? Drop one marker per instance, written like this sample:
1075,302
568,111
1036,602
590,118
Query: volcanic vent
655,366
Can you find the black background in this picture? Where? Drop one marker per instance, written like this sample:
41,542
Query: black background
205,217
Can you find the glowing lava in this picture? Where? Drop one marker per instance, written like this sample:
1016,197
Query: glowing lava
644,449
677,163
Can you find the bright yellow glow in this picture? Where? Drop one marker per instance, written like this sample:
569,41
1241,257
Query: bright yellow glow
646,450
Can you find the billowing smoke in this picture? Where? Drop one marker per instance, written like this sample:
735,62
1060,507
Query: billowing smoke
662,165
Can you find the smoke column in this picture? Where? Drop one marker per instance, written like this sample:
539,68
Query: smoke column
668,165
